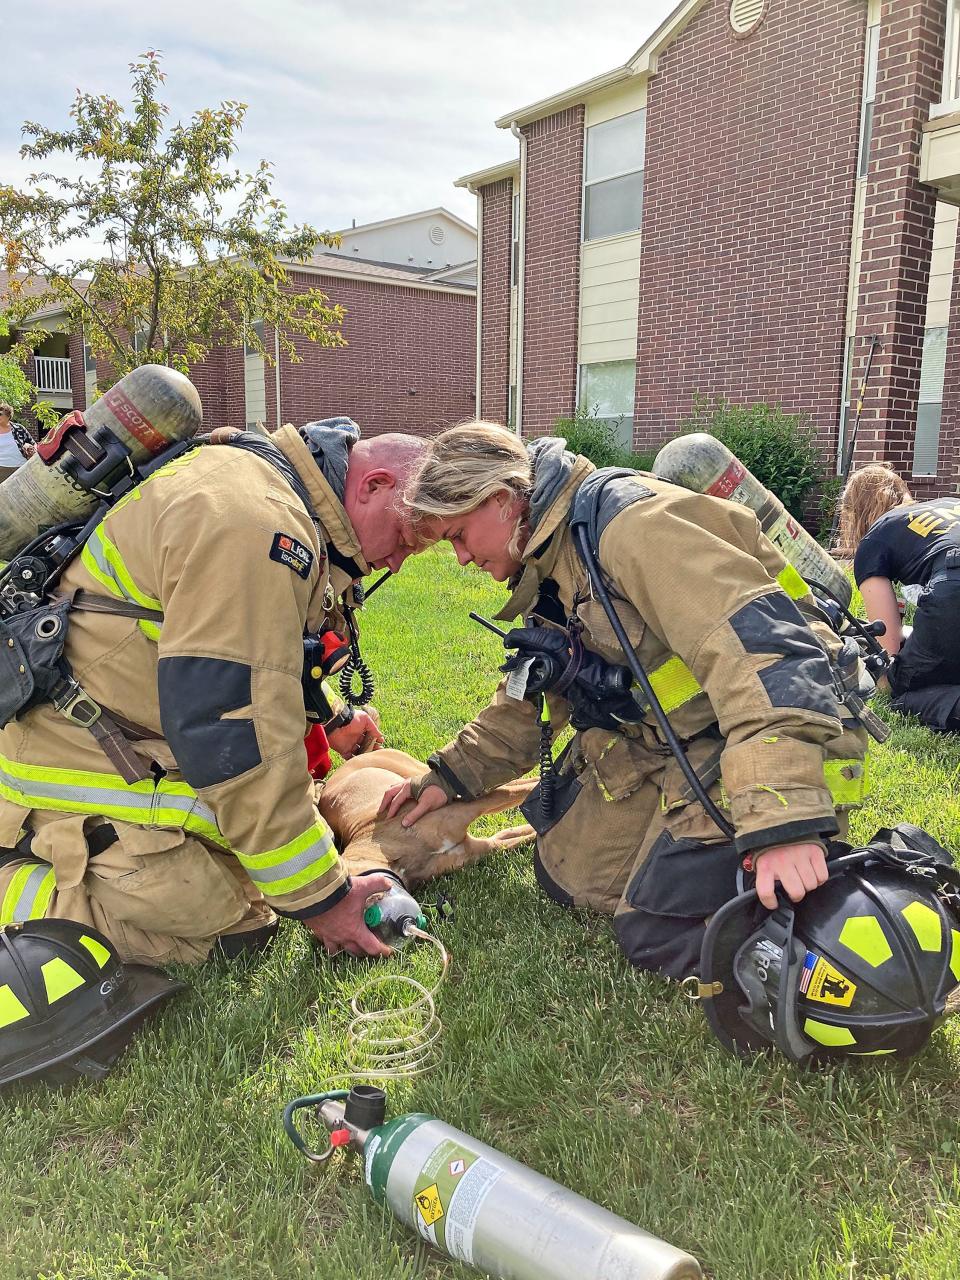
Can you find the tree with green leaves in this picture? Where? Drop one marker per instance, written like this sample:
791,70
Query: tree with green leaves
160,249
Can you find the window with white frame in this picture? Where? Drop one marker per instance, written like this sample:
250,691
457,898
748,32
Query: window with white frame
607,393
926,444
869,97
613,176
951,58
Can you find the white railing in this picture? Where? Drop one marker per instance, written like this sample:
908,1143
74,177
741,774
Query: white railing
52,373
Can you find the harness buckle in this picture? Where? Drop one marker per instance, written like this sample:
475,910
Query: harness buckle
695,990
75,705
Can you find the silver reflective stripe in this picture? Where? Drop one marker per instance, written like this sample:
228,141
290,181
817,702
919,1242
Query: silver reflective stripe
290,866
23,910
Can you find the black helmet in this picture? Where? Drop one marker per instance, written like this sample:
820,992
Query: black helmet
68,1006
861,966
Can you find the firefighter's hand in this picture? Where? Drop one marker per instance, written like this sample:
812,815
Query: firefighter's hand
396,797
360,735
799,868
342,928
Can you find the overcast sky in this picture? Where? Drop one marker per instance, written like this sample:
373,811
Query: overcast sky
367,110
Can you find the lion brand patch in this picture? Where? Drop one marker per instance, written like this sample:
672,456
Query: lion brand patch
291,552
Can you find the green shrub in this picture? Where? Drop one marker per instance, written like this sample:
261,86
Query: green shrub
827,499
599,440
779,448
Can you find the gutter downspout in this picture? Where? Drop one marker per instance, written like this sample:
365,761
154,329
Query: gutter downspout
476,396
521,269
276,366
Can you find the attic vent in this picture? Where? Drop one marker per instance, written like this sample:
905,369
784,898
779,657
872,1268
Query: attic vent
745,14
437,235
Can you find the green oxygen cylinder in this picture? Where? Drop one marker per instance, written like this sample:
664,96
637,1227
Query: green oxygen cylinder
479,1206
148,410
704,464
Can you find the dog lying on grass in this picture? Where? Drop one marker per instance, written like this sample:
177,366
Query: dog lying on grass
440,842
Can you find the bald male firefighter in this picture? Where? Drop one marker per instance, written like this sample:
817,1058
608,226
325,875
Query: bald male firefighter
185,813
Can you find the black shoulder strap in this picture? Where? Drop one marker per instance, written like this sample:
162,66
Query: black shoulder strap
601,497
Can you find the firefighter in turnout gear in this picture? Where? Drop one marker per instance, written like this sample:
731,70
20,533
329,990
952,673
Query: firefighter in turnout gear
736,652
192,817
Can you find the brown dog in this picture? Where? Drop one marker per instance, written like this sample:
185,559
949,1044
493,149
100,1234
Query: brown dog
440,842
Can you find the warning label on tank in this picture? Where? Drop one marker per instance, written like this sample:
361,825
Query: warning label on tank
428,1204
448,1195
820,981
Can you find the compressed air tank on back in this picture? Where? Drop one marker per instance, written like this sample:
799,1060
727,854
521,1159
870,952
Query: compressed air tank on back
704,464
148,410
479,1206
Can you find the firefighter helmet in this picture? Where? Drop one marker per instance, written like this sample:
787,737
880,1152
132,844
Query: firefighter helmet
68,1006
862,966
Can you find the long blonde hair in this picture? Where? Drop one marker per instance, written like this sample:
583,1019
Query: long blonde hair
870,492
465,466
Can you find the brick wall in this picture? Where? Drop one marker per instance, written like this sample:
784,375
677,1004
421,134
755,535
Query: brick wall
409,364
497,245
551,281
898,229
748,210
77,373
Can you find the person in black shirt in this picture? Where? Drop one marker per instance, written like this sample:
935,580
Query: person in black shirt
897,540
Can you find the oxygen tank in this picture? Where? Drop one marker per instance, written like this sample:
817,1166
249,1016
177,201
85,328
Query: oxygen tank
146,411
477,1205
704,464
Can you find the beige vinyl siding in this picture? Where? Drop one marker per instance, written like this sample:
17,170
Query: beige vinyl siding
254,388
609,299
618,101
942,266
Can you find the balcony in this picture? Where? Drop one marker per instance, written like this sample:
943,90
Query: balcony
51,375
940,149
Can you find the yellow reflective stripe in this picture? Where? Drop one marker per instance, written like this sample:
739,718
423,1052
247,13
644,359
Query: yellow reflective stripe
11,1008
60,979
823,1033
299,862
864,936
28,893
96,949
674,684
146,804
103,561
848,781
792,583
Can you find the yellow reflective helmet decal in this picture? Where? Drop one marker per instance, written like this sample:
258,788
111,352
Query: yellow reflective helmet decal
955,953
823,1033
11,1008
864,936
59,979
869,1053
96,949
925,923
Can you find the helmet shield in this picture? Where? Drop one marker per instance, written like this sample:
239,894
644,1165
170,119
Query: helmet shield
68,1006
862,966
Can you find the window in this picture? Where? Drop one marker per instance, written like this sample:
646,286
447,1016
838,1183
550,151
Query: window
613,176
951,56
257,328
607,392
869,95
926,444
89,359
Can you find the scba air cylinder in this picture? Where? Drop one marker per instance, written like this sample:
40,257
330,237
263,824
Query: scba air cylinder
480,1207
148,410
704,464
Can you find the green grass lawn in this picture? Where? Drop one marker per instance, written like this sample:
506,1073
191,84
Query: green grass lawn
554,1050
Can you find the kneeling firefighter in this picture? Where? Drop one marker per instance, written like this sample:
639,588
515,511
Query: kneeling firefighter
739,753
154,782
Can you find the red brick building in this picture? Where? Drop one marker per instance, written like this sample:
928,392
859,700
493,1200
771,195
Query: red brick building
409,363
738,210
